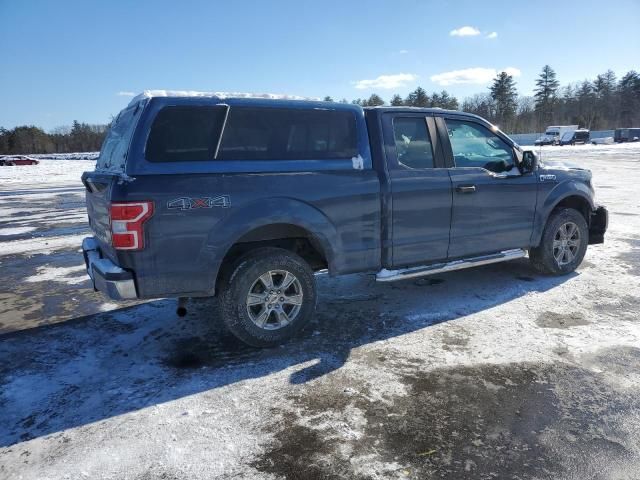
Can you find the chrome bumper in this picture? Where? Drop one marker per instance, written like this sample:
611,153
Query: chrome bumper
106,276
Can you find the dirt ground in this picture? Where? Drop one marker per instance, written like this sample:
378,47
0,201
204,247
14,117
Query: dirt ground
495,372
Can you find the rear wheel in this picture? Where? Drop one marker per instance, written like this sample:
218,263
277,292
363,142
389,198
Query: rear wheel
563,244
269,296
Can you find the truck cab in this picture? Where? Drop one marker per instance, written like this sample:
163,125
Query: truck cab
247,198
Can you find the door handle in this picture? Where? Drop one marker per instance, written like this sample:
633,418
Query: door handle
466,188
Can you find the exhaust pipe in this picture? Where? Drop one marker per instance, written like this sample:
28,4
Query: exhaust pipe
181,310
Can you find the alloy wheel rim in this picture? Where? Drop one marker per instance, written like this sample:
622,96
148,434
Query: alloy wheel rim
274,299
566,243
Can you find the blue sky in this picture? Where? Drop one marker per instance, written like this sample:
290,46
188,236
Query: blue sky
65,60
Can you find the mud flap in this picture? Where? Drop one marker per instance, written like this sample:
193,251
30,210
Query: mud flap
598,225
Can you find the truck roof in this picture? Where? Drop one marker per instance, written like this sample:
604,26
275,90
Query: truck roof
238,98
385,108
218,95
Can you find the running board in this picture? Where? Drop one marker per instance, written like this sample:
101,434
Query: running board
385,275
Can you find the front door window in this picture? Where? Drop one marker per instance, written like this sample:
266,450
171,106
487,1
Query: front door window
474,145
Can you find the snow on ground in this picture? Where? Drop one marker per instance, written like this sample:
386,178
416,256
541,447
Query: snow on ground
495,372
15,231
71,275
48,173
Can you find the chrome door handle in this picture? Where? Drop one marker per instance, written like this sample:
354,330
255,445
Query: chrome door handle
466,188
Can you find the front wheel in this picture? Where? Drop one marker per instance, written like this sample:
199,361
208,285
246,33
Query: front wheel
563,244
270,295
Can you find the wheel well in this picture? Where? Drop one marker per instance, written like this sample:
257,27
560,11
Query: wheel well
281,235
577,203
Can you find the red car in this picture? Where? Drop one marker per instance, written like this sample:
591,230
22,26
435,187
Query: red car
17,160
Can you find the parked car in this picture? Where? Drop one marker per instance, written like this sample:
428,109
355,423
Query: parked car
554,133
621,135
582,135
247,198
11,160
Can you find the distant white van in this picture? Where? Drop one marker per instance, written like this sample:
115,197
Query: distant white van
554,133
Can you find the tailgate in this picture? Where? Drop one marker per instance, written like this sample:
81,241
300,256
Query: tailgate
98,187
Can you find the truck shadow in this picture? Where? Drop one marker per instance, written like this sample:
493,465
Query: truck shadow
99,366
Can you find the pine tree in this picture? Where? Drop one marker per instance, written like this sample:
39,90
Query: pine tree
444,100
585,99
505,96
629,92
546,94
374,100
417,98
327,99
605,88
396,101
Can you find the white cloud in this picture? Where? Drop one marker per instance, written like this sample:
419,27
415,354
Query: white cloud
465,31
386,81
477,75
126,94
403,51
513,71
493,35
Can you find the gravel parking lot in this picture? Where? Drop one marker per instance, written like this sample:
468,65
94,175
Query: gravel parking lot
495,372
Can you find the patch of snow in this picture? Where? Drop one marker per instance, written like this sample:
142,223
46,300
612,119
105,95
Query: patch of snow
41,245
59,274
220,95
16,230
108,306
384,273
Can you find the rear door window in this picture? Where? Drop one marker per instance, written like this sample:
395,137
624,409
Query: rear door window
185,133
413,146
255,133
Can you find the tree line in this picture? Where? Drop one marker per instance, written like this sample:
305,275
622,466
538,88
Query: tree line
603,103
79,137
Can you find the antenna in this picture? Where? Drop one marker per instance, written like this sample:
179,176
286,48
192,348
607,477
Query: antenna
540,146
540,151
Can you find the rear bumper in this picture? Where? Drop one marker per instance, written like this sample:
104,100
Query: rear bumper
107,277
598,225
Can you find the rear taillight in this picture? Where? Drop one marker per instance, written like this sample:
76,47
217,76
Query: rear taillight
127,220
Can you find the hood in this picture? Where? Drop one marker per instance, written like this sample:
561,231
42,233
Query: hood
565,169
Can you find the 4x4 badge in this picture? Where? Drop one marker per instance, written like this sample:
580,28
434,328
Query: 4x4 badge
188,203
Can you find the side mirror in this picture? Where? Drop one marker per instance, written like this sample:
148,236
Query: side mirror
529,161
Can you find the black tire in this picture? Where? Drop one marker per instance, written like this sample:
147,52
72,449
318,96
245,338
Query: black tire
245,278
543,257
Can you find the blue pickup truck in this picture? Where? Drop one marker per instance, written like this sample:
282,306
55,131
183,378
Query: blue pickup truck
247,198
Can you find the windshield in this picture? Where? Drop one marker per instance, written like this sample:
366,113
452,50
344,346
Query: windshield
113,153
